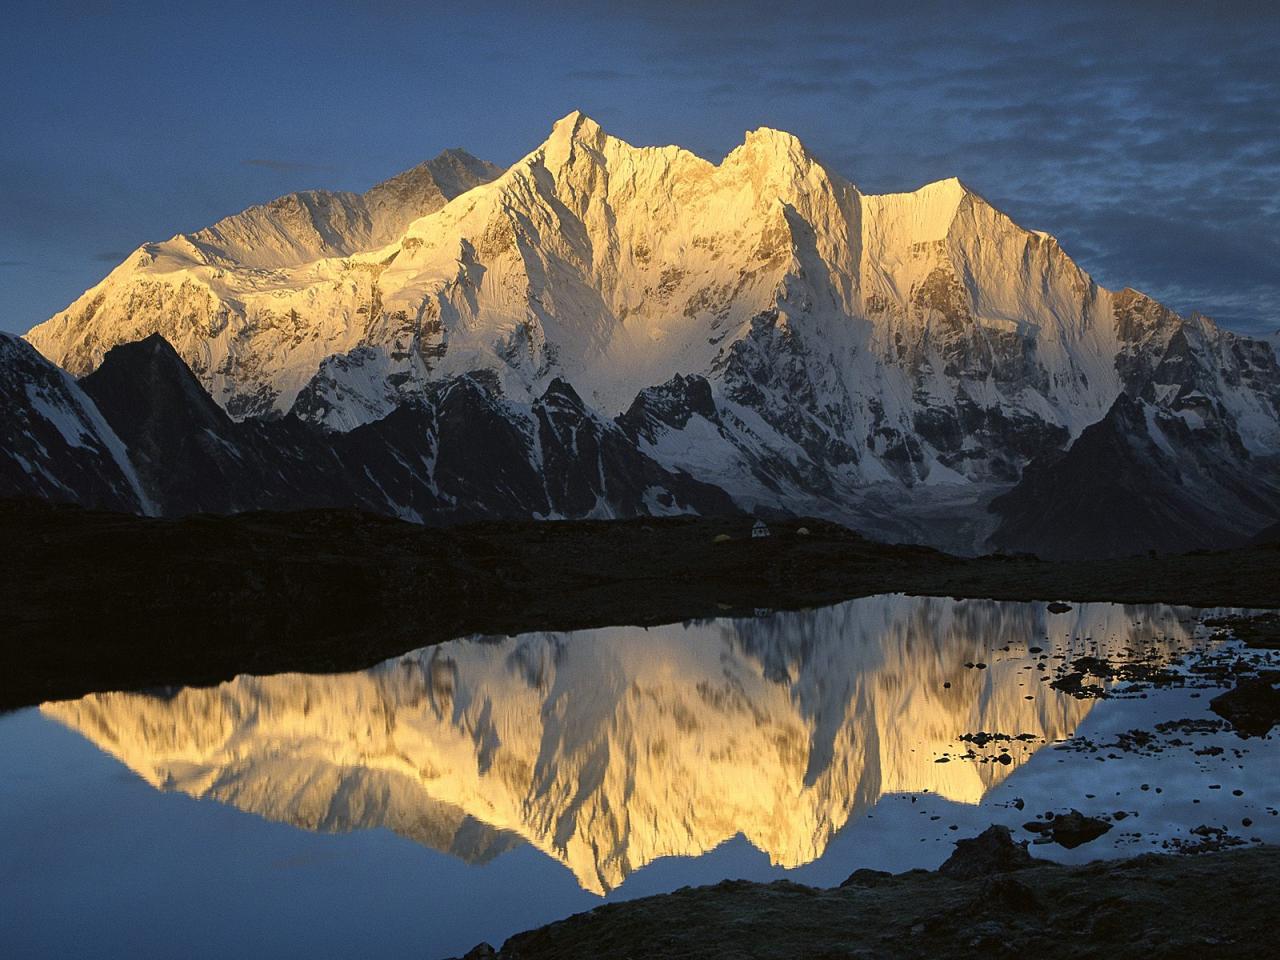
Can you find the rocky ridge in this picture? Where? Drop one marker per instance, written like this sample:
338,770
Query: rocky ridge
461,451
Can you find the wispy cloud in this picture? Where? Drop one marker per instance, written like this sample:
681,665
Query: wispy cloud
1142,134
280,166
598,76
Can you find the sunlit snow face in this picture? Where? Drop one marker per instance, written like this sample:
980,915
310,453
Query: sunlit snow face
1155,164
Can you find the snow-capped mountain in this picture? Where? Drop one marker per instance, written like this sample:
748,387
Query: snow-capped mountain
141,434
761,324
315,224
608,749
56,443
213,294
1160,471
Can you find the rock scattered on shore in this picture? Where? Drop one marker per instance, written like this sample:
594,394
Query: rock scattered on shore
991,852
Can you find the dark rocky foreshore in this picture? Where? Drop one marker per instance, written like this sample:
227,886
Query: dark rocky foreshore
95,601
990,900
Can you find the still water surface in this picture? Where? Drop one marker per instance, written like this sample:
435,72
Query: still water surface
467,791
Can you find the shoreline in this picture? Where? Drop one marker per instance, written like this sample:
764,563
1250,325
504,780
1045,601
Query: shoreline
100,601
1152,905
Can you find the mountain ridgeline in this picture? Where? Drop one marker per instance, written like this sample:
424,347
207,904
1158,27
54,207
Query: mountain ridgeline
609,330
461,452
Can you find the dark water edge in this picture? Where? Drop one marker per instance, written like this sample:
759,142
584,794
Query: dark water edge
100,601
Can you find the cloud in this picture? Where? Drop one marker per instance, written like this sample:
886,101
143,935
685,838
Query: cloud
111,256
15,263
280,166
598,76
809,86
1141,134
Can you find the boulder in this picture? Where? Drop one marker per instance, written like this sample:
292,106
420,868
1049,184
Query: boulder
867,878
992,851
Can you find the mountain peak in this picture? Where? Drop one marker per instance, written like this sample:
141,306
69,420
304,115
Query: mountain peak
147,369
576,125
774,139
774,152
570,132
952,188
428,186
313,224
863,330
54,442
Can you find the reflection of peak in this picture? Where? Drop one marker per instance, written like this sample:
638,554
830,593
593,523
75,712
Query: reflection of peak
314,794
610,748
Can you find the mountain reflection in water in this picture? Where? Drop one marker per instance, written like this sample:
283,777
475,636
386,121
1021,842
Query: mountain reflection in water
609,748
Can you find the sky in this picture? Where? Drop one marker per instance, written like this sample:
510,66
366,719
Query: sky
1145,136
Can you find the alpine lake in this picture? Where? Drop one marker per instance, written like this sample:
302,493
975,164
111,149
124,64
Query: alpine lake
470,790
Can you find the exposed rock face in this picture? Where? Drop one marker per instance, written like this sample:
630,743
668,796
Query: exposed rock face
140,433
192,457
54,442
1167,468
669,407
466,451
867,357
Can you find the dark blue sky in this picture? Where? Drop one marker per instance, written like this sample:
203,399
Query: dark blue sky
1145,136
